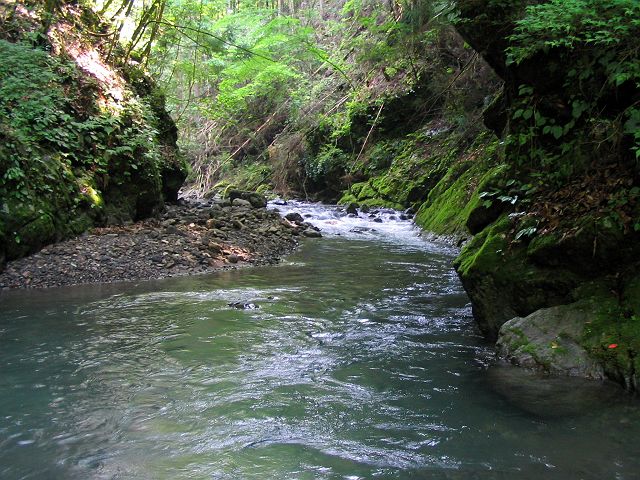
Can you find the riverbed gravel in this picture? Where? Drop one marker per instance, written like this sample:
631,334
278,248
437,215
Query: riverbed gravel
187,239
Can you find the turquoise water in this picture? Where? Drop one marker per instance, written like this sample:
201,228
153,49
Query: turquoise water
360,361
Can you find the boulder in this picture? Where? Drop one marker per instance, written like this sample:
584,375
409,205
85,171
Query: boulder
239,202
294,217
352,208
311,233
550,340
256,200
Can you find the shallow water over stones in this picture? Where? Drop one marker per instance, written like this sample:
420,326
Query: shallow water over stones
357,358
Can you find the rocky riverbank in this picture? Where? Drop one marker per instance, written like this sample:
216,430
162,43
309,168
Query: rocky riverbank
186,239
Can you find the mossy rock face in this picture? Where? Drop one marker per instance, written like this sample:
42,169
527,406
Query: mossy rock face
32,236
378,202
448,205
612,336
347,198
481,213
3,246
377,192
72,150
502,284
356,188
631,295
592,249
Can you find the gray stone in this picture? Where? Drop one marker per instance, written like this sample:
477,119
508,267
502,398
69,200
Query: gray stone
311,233
549,340
239,202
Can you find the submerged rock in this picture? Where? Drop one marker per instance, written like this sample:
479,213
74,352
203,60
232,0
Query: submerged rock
244,306
552,397
311,233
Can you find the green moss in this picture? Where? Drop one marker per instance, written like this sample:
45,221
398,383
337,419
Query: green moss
63,156
31,236
456,195
347,198
631,295
612,335
356,188
367,192
485,253
542,244
447,208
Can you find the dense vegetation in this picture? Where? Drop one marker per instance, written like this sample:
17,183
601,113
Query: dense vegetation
84,141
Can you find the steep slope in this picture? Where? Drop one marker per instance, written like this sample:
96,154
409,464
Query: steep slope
569,240
83,141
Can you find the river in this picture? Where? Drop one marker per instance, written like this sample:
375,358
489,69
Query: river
355,358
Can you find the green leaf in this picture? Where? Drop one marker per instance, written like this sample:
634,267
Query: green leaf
557,131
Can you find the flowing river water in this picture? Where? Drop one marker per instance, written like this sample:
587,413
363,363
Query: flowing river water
355,358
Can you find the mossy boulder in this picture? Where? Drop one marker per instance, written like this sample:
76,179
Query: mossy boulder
612,337
376,192
255,199
550,340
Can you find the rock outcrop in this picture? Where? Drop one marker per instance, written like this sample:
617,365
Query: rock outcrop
85,139
554,279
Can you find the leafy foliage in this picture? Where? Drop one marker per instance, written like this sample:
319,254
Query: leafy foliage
38,115
601,42
66,144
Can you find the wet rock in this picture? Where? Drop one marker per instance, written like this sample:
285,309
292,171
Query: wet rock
294,217
311,233
352,208
550,340
378,220
551,397
239,202
243,306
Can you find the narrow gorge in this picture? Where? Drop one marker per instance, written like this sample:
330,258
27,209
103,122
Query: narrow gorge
439,202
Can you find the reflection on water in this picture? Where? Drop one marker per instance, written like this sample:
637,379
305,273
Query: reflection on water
361,361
